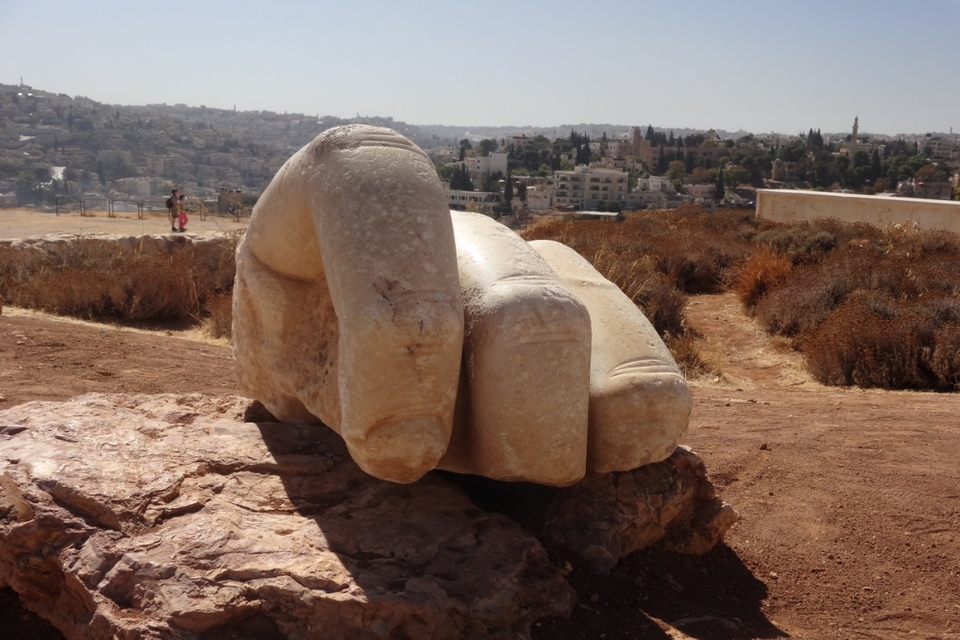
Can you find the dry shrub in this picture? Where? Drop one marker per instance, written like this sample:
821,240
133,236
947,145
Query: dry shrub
926,269
810,293
685,349
762,272
946,355
875,340
649,289
103,280
810,242
220,320
658,257
695,249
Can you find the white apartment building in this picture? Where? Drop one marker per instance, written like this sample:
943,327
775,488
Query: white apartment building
584,186
652,190
941,147
480,166
481,200
701,191
539,196
522,141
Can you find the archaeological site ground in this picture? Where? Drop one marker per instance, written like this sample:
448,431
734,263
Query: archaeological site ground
848,498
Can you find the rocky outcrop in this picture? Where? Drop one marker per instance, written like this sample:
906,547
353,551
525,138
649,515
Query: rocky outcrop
199,517
605,517
608,516
166,517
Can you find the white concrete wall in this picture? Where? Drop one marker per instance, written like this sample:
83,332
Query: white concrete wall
881,211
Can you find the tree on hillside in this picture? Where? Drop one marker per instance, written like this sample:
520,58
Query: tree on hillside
460,180
931,172
720,190
486,147
676,170
662,162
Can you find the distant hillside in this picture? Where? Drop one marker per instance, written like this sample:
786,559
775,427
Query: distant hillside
98,144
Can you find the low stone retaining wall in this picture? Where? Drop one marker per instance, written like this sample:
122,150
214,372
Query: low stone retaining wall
880,211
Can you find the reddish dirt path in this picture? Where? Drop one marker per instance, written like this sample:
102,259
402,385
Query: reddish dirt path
849,500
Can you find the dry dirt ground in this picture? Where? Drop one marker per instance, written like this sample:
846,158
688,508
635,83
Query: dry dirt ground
24,223
849,499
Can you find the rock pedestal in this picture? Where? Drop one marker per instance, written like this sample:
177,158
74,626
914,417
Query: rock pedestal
136,517
165,517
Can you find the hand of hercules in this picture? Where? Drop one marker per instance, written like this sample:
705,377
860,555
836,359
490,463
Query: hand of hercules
429,338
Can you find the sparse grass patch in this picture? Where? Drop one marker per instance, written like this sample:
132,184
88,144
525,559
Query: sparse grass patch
686,350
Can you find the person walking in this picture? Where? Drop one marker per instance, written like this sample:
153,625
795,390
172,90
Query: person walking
182,213
173,203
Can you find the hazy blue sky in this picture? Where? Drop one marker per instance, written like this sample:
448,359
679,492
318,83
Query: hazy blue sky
758,65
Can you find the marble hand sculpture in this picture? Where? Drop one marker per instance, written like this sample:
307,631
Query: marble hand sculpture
430,338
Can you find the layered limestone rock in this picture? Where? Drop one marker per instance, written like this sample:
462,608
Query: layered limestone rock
190,517
166,517
69,246
431,344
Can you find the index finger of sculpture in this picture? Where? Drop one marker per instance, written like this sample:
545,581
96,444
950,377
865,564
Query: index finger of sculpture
526,362
357,224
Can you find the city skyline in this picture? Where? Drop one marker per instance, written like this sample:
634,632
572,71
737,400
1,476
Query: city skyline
745,65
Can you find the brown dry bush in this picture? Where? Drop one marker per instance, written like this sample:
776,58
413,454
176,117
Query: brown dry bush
807,297
106,281
809,242
692,247
220,321
875,340
657,258
622,260
908,268
761,272
685,349
883,311
946,355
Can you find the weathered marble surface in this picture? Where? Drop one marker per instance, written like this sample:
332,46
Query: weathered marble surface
431,344
347,301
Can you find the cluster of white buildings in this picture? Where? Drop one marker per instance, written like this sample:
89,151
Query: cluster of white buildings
582,188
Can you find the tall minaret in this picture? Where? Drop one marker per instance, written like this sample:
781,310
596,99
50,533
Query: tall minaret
856,127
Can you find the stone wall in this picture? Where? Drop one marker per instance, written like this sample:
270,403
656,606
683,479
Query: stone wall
794,206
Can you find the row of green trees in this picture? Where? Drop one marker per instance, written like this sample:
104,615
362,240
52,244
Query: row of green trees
744,162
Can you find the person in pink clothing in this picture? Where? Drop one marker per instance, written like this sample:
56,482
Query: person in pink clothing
182,213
